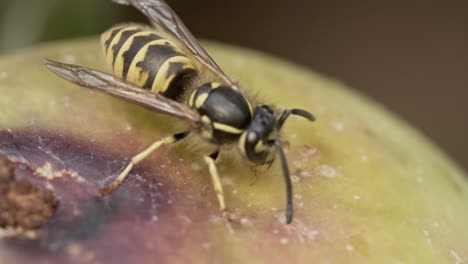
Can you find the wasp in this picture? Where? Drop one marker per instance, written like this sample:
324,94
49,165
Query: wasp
165,69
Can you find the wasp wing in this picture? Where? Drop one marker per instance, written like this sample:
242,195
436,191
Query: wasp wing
117,87
162,15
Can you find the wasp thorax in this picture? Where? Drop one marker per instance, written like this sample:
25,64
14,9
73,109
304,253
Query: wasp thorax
225,108
257,143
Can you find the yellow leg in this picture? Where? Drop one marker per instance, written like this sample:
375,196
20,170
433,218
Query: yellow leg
141,156
210,160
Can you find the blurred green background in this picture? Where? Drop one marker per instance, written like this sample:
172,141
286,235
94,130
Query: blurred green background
412,56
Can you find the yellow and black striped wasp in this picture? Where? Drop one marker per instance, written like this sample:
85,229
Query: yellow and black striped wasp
164,68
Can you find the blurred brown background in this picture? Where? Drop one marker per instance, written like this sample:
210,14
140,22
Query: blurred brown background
412,56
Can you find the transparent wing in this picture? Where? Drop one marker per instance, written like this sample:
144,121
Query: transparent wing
160,14
117,87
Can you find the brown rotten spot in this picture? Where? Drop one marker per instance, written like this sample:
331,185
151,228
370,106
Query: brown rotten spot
24,208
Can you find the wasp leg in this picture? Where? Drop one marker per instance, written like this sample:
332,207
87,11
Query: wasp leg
210,161
141,156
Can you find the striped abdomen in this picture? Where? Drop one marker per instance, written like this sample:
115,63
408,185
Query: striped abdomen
140,56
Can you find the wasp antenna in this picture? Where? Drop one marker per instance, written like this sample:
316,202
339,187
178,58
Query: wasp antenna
287,180
294,111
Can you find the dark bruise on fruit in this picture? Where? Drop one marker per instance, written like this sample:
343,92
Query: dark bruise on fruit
73,170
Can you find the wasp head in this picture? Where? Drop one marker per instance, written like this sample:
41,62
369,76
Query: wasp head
257,142
260,143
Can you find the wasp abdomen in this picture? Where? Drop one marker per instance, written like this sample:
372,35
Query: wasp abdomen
148,60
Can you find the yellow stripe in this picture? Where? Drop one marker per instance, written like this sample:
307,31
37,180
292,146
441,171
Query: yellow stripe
110,53
136,74
241,145
106,36
119,61
162,81
227,128
259,147
200,100
207,131
191,100
215,85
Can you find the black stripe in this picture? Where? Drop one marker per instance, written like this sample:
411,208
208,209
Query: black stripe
111,37
124,36
214,156
156,55
137,44
182,77
181,135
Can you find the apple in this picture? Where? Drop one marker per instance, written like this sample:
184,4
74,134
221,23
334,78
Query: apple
368,188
